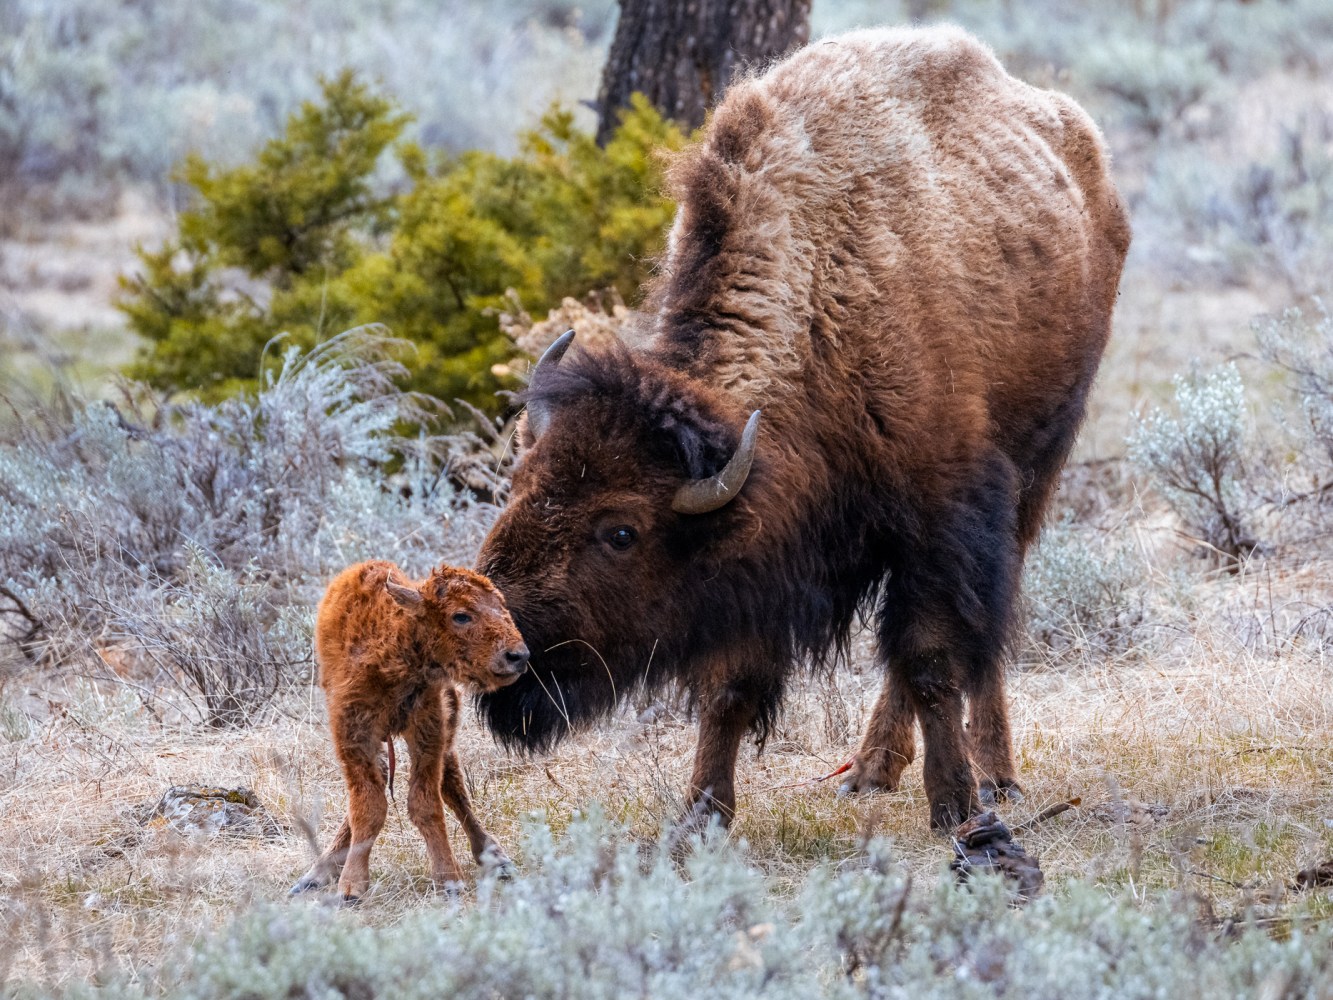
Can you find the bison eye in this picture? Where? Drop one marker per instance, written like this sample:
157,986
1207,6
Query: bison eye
621,538
462,618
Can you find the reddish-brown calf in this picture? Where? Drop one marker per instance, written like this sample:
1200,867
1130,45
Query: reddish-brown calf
391,653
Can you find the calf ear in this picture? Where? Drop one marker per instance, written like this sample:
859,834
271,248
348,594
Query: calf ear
408,598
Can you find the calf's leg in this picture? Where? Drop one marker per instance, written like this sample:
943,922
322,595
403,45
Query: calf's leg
326,869
367,810
486,850
427,737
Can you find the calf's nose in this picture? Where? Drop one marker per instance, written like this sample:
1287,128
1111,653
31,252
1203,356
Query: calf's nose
517,657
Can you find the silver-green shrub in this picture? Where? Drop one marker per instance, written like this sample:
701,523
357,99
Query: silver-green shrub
1273,212
1196,458
1302,346
1082,587
92,91
196,538
1152,83
597,915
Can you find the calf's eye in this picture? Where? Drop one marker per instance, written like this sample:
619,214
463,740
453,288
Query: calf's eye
462,618
622,537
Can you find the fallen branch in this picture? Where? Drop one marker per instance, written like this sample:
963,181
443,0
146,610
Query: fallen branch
1048,813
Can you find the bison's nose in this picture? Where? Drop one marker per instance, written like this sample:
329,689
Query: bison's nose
517,658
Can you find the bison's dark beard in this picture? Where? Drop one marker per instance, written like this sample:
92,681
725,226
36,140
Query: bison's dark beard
547,703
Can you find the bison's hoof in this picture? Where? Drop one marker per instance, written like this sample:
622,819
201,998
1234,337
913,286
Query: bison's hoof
863,780
948,813
992,793
702,824
348,900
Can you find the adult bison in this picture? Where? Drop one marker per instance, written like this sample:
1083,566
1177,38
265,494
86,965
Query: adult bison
906,261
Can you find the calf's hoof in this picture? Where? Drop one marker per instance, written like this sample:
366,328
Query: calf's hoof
349,901
992,793
450,887
309,883
495,864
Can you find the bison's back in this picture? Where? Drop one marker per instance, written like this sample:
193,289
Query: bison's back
890,214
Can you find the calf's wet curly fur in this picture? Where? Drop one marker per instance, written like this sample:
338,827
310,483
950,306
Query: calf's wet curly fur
392,653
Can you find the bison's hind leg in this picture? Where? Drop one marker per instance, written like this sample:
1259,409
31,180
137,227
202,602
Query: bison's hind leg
932,686
944,627
888,746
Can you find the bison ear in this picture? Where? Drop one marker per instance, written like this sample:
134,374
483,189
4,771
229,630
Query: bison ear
407,598
699,496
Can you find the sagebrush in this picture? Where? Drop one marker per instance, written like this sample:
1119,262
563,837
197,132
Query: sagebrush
185,544
597,914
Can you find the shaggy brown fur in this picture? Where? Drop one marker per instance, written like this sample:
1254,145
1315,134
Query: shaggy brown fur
907,259
391,653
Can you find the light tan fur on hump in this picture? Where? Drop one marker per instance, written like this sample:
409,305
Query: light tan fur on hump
894,193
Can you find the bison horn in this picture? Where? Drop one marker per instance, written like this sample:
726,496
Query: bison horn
699,496
539,411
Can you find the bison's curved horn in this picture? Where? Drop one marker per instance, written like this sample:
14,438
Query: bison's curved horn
539,411
699,496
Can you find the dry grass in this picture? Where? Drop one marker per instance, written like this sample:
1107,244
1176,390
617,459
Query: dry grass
1234,738
1211,734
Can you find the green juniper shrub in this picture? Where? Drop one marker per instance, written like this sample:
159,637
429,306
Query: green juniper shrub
302,242
249,262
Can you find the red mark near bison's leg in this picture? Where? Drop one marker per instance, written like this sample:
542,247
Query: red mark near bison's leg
841,769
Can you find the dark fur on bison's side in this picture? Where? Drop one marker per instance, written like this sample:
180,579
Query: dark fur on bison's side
906,261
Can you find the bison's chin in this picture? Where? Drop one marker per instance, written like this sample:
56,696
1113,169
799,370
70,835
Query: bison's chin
544,706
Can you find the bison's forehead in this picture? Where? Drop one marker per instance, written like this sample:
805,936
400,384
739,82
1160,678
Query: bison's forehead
584,461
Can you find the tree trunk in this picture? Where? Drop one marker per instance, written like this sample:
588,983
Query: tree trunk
681,54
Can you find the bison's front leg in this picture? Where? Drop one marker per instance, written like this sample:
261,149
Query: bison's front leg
888,745
932,686
725,715
992,744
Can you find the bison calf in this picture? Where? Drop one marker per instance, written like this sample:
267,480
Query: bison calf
391,653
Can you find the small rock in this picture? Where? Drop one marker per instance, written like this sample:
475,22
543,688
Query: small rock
204,810
984,843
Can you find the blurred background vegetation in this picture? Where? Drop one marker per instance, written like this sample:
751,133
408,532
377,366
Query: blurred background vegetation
301,168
